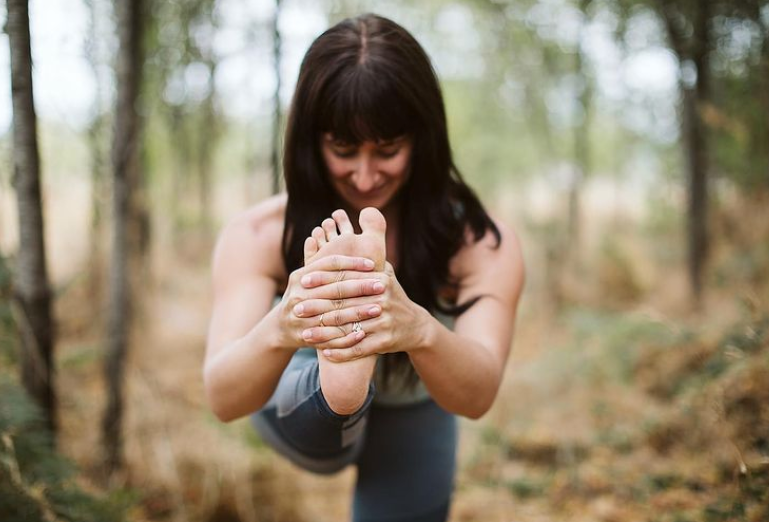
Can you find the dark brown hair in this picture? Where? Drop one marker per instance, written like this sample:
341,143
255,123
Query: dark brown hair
367,78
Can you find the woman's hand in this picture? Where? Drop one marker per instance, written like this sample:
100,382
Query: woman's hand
347,290
389,320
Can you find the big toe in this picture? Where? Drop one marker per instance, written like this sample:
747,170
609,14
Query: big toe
372,221
373,227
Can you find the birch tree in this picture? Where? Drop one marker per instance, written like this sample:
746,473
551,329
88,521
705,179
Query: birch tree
32,294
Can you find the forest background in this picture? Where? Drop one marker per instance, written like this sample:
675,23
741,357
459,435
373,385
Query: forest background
627,141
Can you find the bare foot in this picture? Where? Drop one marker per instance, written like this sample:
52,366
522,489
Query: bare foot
345,384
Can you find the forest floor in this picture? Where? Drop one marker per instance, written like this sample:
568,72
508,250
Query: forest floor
613,408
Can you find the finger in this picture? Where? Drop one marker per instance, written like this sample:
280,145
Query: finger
324,334
329,227
315,279
339,262
312,308
345,290
320,236
319,335
343,222
334,317
363,348
310,248
346,341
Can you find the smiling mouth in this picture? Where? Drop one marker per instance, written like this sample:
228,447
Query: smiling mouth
369,193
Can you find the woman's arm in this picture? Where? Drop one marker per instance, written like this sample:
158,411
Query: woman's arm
462,369
245,355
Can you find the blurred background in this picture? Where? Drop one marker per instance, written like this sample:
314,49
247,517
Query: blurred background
626,141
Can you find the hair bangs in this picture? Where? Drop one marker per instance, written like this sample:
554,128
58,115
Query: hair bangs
366,107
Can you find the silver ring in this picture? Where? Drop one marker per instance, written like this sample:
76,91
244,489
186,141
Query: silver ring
321,319
356,327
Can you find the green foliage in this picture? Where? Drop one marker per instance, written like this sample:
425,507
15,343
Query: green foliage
36,483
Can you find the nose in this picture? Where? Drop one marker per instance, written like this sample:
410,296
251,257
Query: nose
365,176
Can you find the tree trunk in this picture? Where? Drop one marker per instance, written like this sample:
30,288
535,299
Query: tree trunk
99,196
32,290
764,92
698,146
124,164
276,119
581,144
32,294
696,49
208,136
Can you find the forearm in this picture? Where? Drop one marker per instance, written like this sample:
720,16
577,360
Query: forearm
462,375
242,375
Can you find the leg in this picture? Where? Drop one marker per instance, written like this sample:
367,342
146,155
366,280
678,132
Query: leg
406,468
345,384
298,423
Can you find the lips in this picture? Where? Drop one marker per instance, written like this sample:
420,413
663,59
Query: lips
374,192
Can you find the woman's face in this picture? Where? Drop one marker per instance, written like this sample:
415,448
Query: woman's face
367,174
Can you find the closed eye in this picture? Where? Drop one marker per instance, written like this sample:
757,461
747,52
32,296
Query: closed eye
388,152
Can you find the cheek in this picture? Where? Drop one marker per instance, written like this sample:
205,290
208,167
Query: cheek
335,166
400,166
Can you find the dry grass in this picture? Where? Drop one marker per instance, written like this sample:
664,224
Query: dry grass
619,403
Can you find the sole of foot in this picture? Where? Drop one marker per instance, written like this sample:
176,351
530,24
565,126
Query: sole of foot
345,384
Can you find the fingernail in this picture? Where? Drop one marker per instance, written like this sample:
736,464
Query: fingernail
307,335
374,310
306,280
368,263
360,335
298,310
378,287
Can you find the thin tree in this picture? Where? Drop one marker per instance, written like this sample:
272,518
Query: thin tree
276,118
688,29
581,137
124,164
98,166
32,294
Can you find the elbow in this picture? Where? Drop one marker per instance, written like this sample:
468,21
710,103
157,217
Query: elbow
476,409
215,397
226,401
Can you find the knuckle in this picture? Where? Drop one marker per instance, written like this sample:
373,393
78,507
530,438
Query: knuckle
338,317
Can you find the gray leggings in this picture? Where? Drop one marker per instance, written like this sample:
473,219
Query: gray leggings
405,455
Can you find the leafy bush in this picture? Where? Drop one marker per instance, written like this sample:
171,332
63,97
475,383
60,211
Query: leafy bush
36,483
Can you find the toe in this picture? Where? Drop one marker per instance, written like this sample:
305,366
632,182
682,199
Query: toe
343,222
372,221
310,249
329,227
319,235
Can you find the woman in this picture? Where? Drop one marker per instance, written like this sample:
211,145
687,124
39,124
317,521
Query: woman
360,344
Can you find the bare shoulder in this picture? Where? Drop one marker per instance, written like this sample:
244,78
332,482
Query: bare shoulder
250,243
489,266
